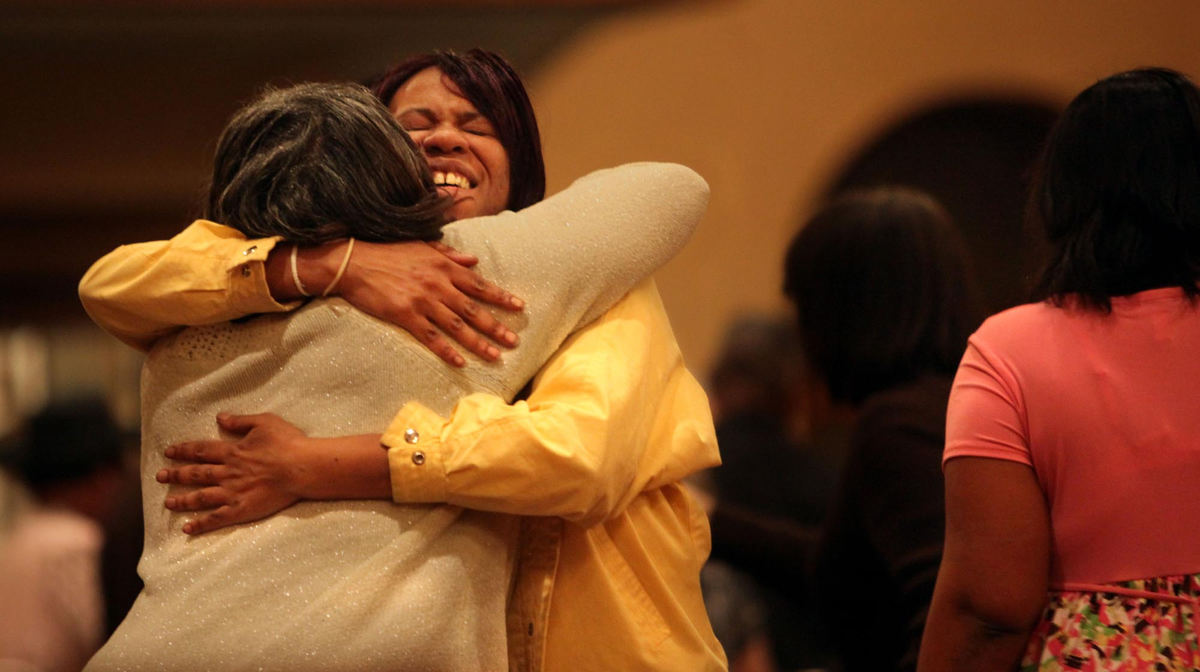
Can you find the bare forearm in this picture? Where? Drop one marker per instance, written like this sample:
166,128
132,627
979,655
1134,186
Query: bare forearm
350,467
971,647
958,640
991,586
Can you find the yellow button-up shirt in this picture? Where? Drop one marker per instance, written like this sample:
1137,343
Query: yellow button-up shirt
611,545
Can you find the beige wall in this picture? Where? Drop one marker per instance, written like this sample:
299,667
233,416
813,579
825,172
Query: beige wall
769,98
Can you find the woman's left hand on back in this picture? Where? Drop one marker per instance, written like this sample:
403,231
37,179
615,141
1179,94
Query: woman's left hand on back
238,480
267,468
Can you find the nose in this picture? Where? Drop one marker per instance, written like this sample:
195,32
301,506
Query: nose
444,139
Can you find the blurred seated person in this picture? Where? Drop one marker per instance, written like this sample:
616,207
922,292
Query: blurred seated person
63,476
771,492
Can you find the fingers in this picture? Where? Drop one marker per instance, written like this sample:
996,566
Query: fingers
222,517
193,474
212,452
459,330
199,500
474,285
464,319
222,507
458,257
427,292
484,323
429,321
431,337
241,424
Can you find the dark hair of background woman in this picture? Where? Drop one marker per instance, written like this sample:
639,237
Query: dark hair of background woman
880,283
1117,190
496,91
318,162
65,441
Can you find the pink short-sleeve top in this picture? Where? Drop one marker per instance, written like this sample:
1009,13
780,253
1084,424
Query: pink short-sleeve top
1106,410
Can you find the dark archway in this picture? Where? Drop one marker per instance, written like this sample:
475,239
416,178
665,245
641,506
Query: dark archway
974,156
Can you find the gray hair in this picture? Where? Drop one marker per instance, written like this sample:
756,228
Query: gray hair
317,162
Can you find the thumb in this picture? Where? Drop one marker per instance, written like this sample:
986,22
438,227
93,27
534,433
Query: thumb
241,424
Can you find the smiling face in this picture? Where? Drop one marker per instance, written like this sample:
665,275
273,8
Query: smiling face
468,162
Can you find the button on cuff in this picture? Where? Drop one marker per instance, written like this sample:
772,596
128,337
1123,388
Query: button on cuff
415,456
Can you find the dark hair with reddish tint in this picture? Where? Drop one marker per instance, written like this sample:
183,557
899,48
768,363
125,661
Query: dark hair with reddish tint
317,162
496,91
1117,190
880,283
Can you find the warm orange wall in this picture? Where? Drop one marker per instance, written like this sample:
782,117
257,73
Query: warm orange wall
768,98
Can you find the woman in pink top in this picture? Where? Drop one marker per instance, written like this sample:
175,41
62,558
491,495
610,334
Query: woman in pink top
1072,458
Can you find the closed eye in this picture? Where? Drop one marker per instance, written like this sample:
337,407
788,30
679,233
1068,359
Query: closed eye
476,124
415,120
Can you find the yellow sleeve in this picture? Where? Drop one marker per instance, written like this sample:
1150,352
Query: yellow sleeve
613,413
208,273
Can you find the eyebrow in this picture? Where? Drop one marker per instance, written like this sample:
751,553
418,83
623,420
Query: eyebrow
421,111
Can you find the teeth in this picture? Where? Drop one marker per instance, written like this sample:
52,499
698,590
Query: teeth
450,180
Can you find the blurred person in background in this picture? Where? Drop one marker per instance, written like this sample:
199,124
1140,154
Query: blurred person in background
64,475
771,495
1073,431
880,284
599,467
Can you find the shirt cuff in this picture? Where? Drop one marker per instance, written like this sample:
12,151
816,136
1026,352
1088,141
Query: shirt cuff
415,456
248,289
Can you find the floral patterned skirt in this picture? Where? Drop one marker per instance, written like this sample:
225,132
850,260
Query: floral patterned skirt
1148,624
